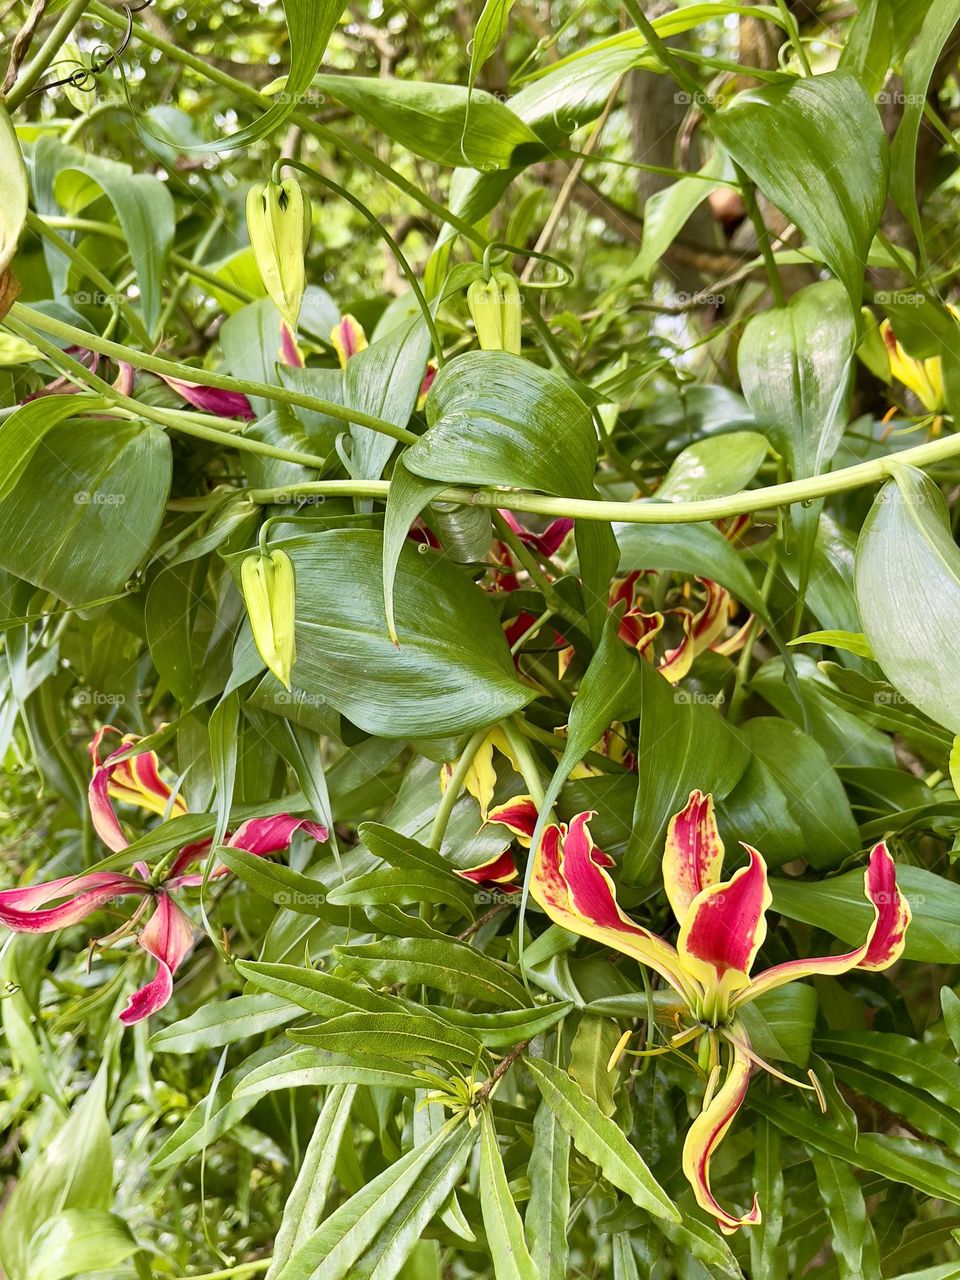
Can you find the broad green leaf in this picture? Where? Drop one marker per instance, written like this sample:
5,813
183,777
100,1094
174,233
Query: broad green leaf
409,494
594,1041
284,886
404,1037
907,579
939,22
549,1205
869,47
795,364
384,380
324,994
666,212
173,602
816,800
950,1003
392,886
13,198
452,672
832,183
851,1234
838,905
449,966
712,468
23,432
223,1022
420,1180
401,850
102,488
501,1221
307,1201
441,122
600,1139
79,1240
73,1172
314,1068
143,205
489,31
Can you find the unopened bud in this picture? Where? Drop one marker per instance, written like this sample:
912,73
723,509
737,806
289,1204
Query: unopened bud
268,586
278,221
495,310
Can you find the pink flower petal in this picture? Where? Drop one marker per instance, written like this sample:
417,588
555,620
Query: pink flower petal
168,937
226,404
22,909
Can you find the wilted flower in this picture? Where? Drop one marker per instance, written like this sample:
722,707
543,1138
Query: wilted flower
267,579
923,377
278,222
168,934
722,927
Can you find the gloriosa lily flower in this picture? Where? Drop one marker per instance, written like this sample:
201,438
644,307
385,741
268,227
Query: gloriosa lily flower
722,927
923,377
168,934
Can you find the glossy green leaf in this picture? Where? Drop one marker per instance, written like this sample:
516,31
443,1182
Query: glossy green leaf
712,468
324,994
79,1240
851,1235
283,886
452,671
501,1221
489,31
22,434
666,212
405,1037
223,1022
832,183
384,381
593,1043
315,1068
699,549
395,887
549,1205
908,593
600,1139
103,488
441,122
449,966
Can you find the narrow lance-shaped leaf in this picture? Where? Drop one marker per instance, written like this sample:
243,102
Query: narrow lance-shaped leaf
501,1221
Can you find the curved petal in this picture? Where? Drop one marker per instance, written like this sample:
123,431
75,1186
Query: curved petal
20,909
881,947
264,836
705,1135
168,937
498,870
570,883
518,815
135,781
724,928
693,854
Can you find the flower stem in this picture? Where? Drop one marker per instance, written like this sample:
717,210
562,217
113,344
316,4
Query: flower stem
453,788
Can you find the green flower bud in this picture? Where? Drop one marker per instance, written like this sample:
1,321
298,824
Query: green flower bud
278,222
495,310
269,593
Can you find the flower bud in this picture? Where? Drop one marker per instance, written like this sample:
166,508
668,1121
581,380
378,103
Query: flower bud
495,310
278,221
268,586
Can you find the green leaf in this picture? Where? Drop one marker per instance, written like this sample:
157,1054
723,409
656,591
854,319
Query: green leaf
306,1203
452,672
939,23
838,905
712,468
23,432
600,1139
907,578
223,1022
394,887
143,205
407,497
501,1221
406,1037
13,198
402,851
489,31
79,1240
767,1255
593,1043
832,183
848,641
549,1205
102,489
381,1223
72,1172
449,966
283,886
780,1023
313,1068
950,1003
795,364
851,1235
666,212
441,122
507,1026
321,993
384,381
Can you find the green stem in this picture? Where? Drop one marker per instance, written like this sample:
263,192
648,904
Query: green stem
388,239
529,768
746,502
749,192
239,1272
670,64
45,55
203,377
453,788
743,665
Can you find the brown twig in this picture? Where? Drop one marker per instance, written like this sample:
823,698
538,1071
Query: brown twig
500,1070
20,45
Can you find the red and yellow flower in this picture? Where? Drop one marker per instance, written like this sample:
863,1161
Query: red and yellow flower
168,934
722,927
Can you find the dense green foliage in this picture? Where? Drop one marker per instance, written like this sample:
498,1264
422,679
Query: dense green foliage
440,449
